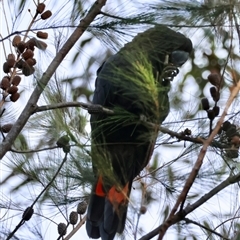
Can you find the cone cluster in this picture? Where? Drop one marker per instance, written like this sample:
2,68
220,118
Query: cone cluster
229,132
22,62
73,218
216,81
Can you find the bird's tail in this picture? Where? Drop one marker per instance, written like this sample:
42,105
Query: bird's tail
107,210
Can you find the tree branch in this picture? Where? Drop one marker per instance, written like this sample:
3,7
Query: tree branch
31,104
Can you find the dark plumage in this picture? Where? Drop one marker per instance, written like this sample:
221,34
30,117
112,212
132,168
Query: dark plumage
130,83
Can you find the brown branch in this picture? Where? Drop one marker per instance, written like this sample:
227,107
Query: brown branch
76,228
197,166
179,216
31,104
92,108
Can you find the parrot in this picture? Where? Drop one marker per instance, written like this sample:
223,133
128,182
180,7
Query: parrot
134,83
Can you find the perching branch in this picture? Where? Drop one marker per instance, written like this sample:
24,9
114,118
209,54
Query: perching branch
98,109
92,108
31,104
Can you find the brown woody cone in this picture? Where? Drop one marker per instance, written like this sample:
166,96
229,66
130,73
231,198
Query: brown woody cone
27,213
205,104
5,83
30,44
11,62
27,54
73,218
11,56
13,89
6,67
143,209
16,40
16,80
82,207
62,229
14,97
46,15
216,110
6,127
27,70
214,79
43,35
31,61
40,7
211,114
215,94
21,46
19,64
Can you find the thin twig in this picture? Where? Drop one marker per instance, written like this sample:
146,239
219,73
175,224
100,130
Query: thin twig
187,220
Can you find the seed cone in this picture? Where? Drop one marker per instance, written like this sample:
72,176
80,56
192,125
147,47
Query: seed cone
62,229
16,40
16,80
216,110
6,127
46,15
231,131
14,97
143,209
27,213
43,35
226,125
11,62
82,207
214,79
11,56
215,94
205,104
5,83
73,218
31,61
30,44
13,89
6,67
27,70
63,141
211,114
27,54
21,46
41,7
